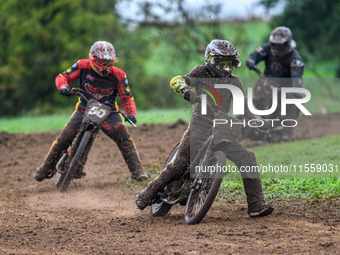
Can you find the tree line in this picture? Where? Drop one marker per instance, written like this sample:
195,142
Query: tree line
40,38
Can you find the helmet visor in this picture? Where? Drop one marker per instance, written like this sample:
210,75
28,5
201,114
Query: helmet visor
277,46
104,62
223,60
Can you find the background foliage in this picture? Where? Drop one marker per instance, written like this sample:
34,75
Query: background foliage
40,39
315,24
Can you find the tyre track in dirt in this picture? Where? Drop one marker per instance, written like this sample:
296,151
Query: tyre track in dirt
98,215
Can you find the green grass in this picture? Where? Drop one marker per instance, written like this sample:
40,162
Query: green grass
30,124
324,150
287,188
163,115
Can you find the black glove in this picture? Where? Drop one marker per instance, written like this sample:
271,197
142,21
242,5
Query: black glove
188,93
132,118
65,91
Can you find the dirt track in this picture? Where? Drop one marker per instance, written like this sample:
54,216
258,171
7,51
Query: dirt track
98,214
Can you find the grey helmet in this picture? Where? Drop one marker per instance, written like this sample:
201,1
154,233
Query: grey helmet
221,49
281,41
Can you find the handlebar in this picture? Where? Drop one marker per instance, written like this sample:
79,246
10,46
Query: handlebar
80,92
196,98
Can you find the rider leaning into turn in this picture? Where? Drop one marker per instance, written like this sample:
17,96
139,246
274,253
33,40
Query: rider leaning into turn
99,77
220,59
282,61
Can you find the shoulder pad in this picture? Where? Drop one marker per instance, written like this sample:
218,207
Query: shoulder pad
119,73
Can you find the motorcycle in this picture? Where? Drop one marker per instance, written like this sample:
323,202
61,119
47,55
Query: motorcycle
71,164
263,100
197,192
263,93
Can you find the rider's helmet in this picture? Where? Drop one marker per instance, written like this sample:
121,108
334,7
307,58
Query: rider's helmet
221,57
102,57
281,42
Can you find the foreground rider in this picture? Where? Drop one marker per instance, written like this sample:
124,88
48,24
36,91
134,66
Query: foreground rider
283,65
220,59
99,77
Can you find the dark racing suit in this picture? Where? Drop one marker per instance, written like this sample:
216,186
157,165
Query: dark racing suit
285,71
199,129
105,90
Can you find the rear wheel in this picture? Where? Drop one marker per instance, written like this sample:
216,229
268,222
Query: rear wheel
161,209
74,164
203,195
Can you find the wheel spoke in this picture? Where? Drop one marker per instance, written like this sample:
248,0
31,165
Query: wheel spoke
201,199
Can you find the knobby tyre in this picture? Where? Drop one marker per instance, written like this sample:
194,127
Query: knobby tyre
161,209
76,160
201,199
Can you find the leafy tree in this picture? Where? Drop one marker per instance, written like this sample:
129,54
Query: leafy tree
187,30
173,36
315,26
39,39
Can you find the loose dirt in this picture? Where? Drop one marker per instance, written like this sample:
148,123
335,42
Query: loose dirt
97,215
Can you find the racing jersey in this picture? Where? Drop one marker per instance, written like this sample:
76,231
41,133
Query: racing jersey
103,89
289,66
199,77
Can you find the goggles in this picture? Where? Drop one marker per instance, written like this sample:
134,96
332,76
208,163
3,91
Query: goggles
223,60
279,46
104,62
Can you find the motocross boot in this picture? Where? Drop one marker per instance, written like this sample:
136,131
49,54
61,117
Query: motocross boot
48,169
144,198
255,198
133,162
139,175
130,154
64,140
261,210
43,173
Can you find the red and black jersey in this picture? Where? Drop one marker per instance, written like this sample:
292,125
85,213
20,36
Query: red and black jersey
104,89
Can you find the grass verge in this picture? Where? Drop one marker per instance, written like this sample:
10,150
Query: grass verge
30,124
317,151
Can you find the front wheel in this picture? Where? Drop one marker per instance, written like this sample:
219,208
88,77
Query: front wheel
161,209
76,161
203,194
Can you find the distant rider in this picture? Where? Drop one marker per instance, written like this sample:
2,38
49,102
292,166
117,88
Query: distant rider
220,59
98,76
284,66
